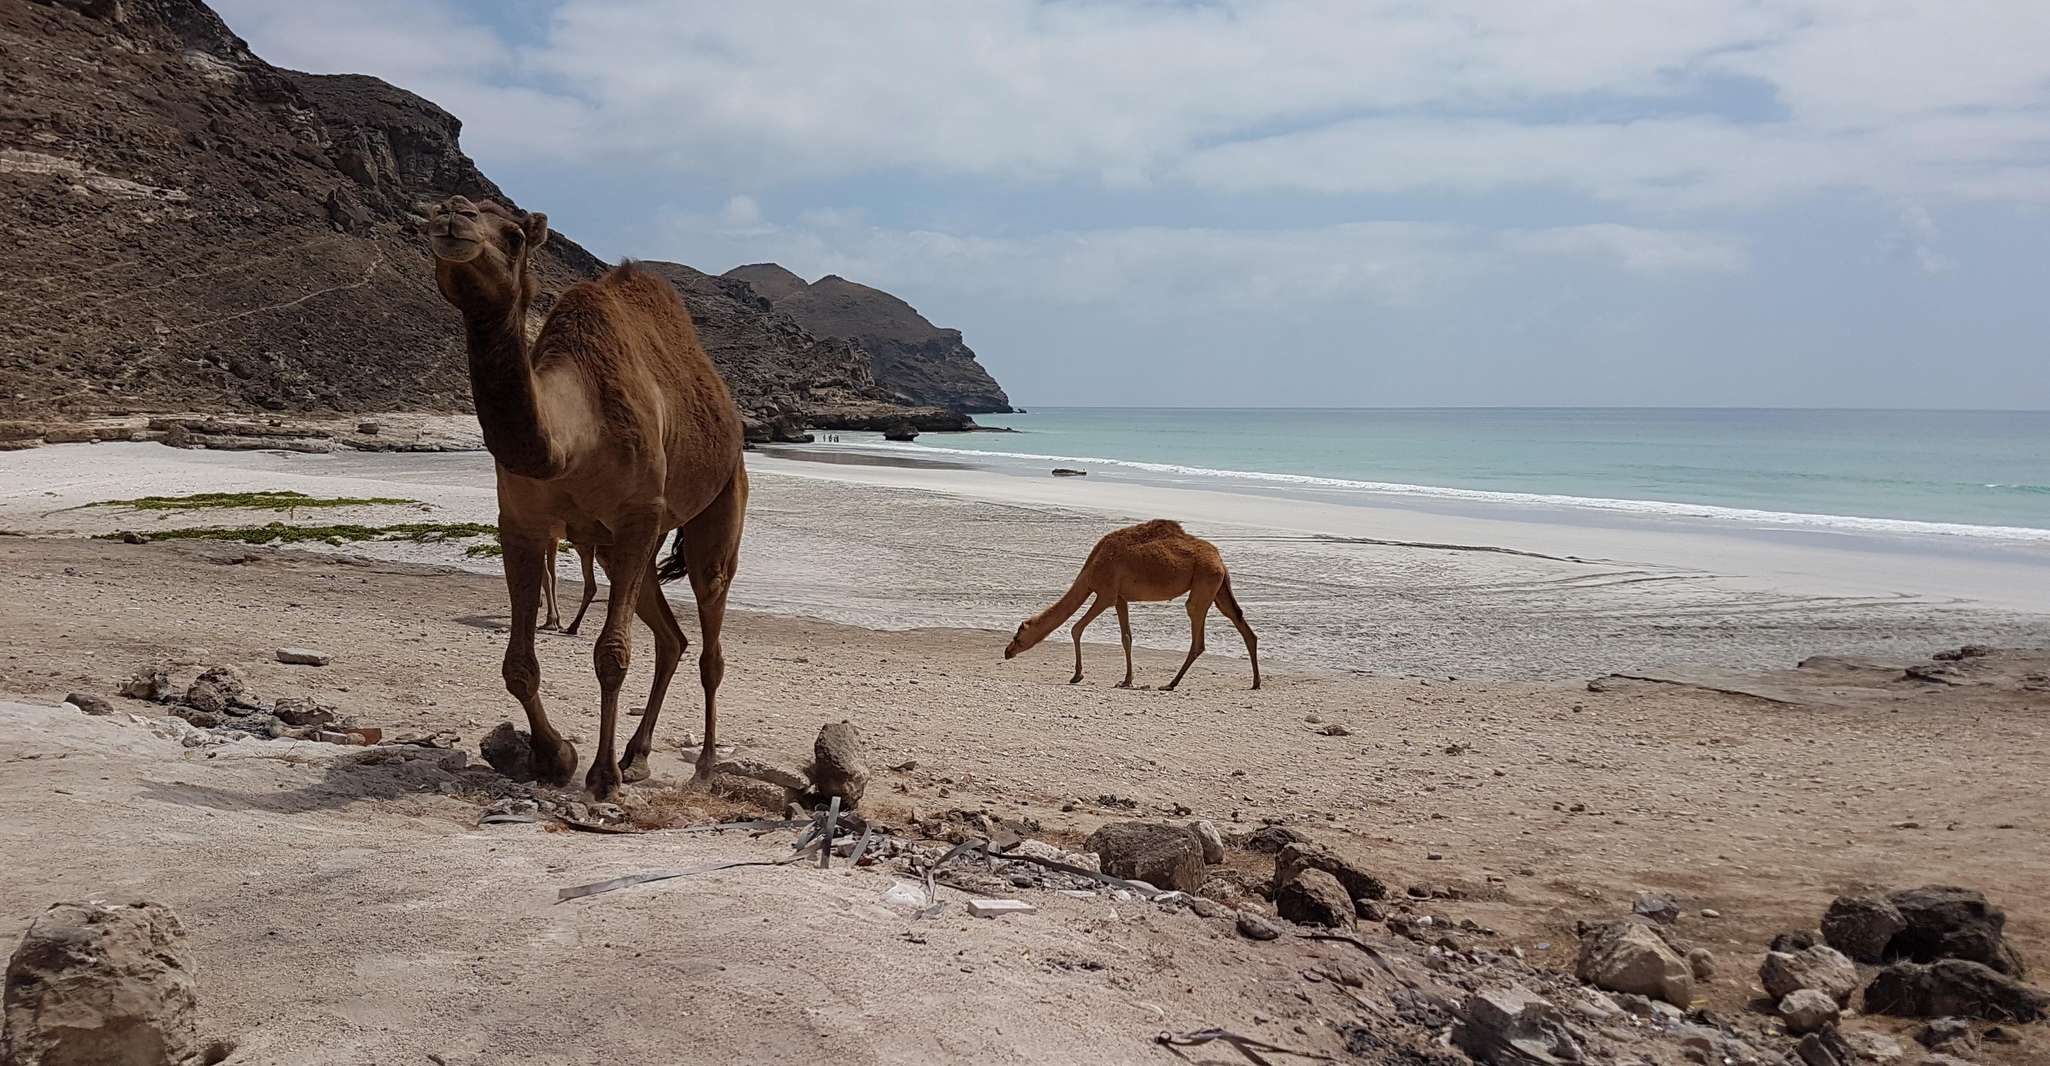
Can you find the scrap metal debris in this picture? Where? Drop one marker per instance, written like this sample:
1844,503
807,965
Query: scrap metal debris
1244,1045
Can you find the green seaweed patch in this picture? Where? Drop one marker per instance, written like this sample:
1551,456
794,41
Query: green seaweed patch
253,501
496,549
281,533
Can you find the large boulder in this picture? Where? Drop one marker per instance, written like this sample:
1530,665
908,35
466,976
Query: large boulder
1294,858
1628,956
1515,1027
1862,926
1953,987
837,768
1164,856
510,751
1314,897
1945,922
1820,968
101,984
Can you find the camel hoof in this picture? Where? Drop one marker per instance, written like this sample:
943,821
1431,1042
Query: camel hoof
634,769
1076,680
571,631
1124,684
555,767
550,627
602,782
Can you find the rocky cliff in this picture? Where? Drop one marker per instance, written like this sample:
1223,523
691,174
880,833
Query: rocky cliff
916,360
193,228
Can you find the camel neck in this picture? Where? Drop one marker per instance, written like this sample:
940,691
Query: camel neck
502,383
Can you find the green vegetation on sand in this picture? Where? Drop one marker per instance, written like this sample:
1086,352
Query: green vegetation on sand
252,501
281,533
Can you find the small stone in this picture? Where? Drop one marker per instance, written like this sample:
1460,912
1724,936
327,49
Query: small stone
97,706
298,711
994,908
368,429
303,657
1205,907
1794,940
1270,839
763,770
153,685
215,689
1514,1026
1335,730
1710,912
837,768
1359,884
1807,1010
1948,1034
1820,968
1212,840
1702,962
1256,927
1657,908
1314,897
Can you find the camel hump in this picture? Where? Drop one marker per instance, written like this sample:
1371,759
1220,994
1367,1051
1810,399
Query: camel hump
1159,527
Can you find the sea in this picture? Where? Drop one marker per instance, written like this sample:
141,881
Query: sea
1975,474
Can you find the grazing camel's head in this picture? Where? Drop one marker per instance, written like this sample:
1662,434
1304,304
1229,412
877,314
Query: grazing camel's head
481,252
1030,632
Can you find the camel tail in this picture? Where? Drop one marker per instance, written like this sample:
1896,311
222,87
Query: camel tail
675,566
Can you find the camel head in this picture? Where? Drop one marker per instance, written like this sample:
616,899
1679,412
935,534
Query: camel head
481,252
1030,632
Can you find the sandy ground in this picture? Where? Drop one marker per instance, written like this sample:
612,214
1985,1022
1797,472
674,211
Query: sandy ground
339,918
1509,593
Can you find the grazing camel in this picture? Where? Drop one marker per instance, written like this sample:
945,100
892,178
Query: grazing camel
584,555
614,426
1154,560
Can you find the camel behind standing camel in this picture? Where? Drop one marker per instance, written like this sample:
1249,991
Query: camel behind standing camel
585,552
1151,561
613,426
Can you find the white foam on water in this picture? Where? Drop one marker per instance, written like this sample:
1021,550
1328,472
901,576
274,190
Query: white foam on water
1650,508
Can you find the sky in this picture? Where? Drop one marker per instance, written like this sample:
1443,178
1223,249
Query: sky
1838,203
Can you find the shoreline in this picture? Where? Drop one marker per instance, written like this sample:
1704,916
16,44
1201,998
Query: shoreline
1332,586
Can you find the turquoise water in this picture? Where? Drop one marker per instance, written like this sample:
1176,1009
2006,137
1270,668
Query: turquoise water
1911,471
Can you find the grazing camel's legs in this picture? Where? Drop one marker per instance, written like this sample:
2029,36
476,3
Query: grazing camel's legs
1229,605
1125,633
1200,595
584,554
711,544
628,560
554,619
554,759
1088,616
669,647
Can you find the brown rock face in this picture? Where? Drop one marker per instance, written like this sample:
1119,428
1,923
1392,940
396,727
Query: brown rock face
1953,988
101,984
1314,897
837,767
1629,957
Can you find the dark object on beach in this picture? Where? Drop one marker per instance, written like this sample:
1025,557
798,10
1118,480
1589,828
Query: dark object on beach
509,751
902,431
837,767
1062,471
1953,988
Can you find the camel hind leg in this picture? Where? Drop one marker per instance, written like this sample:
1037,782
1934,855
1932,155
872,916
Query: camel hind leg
554,619
711,549
1228,605
1201,595
585,553
670,644
1125,634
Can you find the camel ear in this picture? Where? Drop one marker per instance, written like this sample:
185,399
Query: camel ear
535,226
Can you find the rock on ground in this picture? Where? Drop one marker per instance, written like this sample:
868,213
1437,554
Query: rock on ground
1820,968
1257,927
1944,922
153,685
90,704
509,751
1953,987
1862,926
1165,856
1314,897
215,689
1628,956
303,657
837,768
1702,962
1212,840
1304,855
763,770
1272,838
102,984
1514,1026
1657,908
1807,1010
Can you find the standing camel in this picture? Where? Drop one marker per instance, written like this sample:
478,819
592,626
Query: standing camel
584,554
611,425
1151,561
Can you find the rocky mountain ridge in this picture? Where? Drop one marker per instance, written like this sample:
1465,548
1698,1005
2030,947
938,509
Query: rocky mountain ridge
194,229
918,361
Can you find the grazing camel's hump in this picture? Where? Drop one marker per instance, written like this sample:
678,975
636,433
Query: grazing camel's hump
656,392
1154,560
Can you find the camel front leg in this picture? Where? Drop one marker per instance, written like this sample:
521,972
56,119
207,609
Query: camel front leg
669,646
1088,616
584,555
554,759
1125,634
627,560
1199,611
554,619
